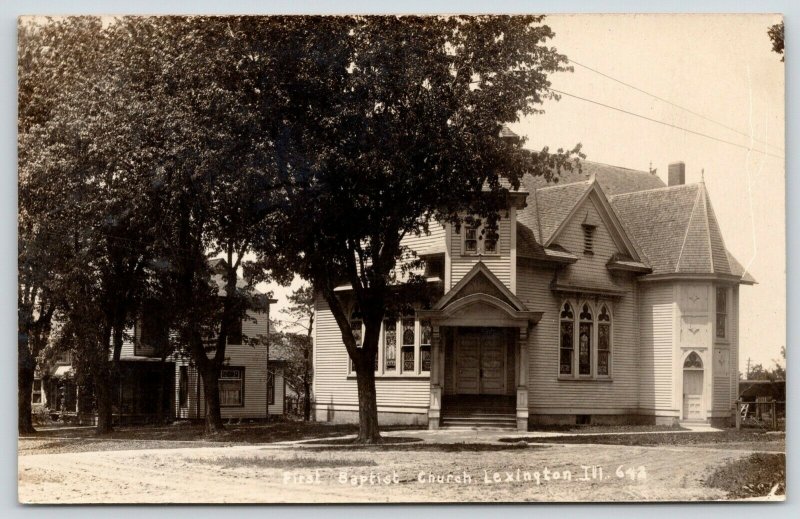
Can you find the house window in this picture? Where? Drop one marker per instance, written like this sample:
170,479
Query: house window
408,325
585,341
567,344
231,387
471,240
183,386
722,312
270,388
588,239
425,346
478,240
356,326
37,391
390,344
604,342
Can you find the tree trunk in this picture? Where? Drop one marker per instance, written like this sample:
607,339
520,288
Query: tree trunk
368,431
104,396
306,399
26,366
210,377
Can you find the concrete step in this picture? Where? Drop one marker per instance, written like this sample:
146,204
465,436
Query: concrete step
503,422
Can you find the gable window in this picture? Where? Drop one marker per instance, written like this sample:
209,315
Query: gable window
183,386
588,238
231,387
585,341
567,346
479,240
722,312
603,342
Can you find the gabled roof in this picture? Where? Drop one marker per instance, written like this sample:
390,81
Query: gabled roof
677,230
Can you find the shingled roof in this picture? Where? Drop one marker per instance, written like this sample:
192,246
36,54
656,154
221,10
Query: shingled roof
677,230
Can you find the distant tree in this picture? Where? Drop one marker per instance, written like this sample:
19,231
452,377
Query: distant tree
379,126
300,346
775,33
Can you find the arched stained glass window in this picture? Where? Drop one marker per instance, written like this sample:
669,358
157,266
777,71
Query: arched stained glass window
604,342
390,344
566,341
585,341
693,361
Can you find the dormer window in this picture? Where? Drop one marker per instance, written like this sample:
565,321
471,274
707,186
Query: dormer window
477,240
588,239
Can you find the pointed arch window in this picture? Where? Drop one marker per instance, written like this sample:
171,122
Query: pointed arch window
585,332
567,334
390,344
693,361
604,342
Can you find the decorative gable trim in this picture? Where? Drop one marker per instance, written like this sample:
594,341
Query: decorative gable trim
609,217
480,280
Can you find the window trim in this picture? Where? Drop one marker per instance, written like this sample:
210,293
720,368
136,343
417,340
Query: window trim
576,321
398,372
725,337
480,249
241,369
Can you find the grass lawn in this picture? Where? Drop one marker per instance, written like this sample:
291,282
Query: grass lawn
753,476
706,439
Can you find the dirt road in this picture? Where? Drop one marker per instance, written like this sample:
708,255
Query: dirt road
286,474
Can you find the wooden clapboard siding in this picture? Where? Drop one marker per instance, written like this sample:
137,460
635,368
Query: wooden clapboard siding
499,264
546,390
734,369
335,388
431,243
253,358
589,270
655,334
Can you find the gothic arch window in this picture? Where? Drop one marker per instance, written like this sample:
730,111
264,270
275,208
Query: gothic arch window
585,335
693,361
567,334
604,342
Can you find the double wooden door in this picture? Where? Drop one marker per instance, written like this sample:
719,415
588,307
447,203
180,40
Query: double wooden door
481,361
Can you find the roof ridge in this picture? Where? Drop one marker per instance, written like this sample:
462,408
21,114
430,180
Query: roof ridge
564,185
686,233
702,191
615,166
694,184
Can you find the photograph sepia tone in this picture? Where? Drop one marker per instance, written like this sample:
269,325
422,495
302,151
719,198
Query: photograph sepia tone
401,259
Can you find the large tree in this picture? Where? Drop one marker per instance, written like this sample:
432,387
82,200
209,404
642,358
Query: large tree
378,126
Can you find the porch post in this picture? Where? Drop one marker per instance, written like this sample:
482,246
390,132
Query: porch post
522,377
437,371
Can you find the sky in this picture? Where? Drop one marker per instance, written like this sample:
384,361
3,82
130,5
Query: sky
718,66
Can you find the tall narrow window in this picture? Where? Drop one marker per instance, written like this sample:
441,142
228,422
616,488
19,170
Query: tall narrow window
588,239
722,312
270,388
425,346
37,391
390,344
471,240
585,341
183,386
567,346
489,242
604,342
408,344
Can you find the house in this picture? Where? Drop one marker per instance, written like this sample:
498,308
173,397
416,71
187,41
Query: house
156,383
607,297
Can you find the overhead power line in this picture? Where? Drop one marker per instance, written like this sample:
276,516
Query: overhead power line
667,101
634,114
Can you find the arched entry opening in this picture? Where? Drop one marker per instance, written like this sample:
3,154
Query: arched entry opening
693,388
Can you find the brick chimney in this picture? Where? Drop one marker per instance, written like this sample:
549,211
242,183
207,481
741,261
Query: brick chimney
677,174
